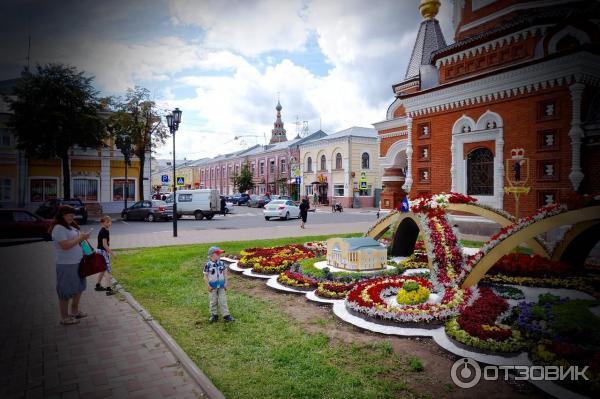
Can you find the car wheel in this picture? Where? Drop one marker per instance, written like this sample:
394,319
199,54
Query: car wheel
287,216
198,215
267,218
150,217
209,216
125,216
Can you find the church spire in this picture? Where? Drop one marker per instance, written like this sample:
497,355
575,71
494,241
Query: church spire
278,132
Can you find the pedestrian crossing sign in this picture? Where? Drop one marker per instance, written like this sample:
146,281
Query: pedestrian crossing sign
180,181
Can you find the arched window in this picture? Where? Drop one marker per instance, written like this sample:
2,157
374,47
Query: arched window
323,163
309,164
365,161
480,172
338,161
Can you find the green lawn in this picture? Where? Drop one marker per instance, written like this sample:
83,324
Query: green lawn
266,353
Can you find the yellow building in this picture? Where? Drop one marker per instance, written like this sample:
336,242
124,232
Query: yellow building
356,254
97,175
342,167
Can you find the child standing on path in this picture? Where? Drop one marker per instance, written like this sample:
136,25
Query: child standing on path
215,277
104,250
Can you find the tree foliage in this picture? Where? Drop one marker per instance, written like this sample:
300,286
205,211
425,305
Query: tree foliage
54,109
137,127
245,179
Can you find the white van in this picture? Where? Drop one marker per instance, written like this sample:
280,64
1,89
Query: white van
202,203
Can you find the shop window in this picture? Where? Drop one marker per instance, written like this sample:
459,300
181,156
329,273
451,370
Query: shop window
480,172
338,161
364,164
41,190
548,140
547,169
85,189
5,189
338,190
308,190
122,187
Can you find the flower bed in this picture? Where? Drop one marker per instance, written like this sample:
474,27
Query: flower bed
590,285
531,265
297,280
412,293
369,299
333,290
318,247
505,232
447,265
436,202
414,261
507,292
273,260
479,325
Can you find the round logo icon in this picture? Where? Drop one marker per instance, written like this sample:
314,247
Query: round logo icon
465,373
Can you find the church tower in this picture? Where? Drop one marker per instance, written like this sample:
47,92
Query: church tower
278,132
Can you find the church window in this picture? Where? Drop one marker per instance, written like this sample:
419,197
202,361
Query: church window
480,172
338,161
365,160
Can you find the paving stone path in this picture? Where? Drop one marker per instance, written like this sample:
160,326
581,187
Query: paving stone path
112,353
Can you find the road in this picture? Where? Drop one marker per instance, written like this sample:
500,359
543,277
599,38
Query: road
243,224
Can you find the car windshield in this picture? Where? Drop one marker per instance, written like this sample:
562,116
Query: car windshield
277,202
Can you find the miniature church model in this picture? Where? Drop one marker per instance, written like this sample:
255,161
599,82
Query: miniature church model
356,254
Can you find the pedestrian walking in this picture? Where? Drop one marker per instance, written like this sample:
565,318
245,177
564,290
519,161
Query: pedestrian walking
104,249
223,206
304,207
315,199
215,277
67,239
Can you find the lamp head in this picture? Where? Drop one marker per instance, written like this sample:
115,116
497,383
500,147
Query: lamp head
177,116
170,120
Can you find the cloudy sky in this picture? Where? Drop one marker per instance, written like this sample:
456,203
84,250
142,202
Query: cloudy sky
226,62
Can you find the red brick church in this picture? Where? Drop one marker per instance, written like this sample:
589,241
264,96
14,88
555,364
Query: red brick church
520,81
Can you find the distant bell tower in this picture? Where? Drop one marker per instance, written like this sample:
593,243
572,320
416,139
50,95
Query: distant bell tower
278,132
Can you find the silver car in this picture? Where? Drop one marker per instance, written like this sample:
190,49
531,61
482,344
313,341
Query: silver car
283,209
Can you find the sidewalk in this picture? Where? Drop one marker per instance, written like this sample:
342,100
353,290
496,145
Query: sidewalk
112,353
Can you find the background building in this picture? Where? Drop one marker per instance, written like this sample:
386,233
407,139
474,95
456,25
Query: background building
342,166
521,75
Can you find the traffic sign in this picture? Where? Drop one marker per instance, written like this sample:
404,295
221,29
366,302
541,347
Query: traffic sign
297,179
180,181
363,185
164,178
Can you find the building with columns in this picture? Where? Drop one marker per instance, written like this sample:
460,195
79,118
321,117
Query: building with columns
521,77
341,166
274,166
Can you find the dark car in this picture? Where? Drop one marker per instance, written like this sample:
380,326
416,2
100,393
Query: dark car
240,199
258,201
48,209
20,223
148,210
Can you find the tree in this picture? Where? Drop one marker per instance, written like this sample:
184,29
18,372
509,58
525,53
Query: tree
245,181
137,127
235,180
54,109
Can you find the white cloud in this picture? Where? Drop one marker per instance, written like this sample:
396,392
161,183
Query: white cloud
249,27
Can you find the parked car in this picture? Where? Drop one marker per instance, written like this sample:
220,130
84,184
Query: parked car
280,197
240,199
20,223
148,210
283,209
48,209
258,201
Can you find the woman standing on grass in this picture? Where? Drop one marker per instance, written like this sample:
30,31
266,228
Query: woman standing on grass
304,207
66,238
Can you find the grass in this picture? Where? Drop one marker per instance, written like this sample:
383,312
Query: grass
415,365
266,353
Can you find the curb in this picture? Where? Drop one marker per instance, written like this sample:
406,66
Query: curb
188,364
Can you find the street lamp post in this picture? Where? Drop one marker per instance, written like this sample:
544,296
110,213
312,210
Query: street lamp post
173,121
